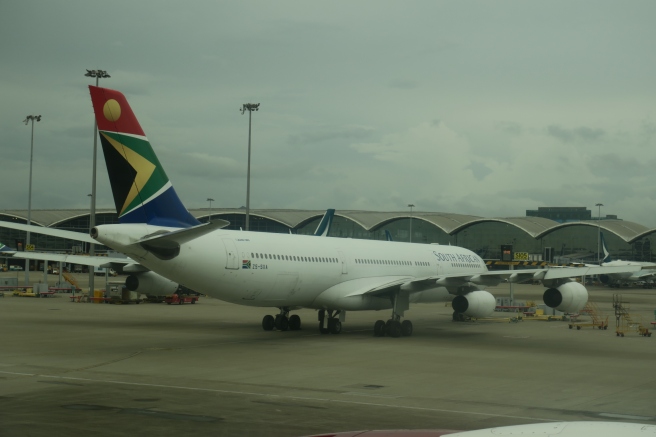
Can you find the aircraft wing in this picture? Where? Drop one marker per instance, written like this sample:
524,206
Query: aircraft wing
384,284
643,274
494,277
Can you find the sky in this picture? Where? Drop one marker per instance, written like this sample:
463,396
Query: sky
469,107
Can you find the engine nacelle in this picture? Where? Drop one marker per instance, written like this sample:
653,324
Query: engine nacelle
570,297
475,304
150,283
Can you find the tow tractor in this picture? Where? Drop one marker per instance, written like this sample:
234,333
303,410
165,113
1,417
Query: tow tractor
180,299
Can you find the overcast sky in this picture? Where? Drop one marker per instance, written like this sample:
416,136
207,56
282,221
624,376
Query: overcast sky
472,107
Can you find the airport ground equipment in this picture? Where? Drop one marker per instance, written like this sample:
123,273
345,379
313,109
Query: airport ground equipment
71,280
597,318
118,294
36,290
544,313
180,299
625,321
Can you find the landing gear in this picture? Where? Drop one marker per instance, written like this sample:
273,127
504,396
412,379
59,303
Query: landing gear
394,327
268,323
294,322
379,328
282,321
332,325
406,328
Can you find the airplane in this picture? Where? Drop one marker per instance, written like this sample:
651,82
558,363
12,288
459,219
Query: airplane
288,272
5,248
647,272
549,429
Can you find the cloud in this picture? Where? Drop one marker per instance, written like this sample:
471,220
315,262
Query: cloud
343,134
580,133
479,170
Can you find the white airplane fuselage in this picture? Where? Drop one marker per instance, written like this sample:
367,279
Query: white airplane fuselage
262,269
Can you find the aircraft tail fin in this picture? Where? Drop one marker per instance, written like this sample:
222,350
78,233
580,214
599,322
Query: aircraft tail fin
4,248
604,248
325,223
142,190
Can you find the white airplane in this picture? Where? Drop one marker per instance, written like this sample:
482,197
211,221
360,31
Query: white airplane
646,274
331,275
550,429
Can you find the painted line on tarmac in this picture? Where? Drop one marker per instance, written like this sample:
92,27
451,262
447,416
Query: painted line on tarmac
211,390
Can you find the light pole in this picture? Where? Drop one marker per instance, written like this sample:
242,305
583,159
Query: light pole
29,118
209,219
411,206
599,230
98,74
250,107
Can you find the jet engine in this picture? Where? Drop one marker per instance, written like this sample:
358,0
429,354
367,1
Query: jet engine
150,283
568,298
475,304
605,279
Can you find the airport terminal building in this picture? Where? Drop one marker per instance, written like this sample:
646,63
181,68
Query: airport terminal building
553,234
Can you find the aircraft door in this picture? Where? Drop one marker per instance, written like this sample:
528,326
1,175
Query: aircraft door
232,262
342,259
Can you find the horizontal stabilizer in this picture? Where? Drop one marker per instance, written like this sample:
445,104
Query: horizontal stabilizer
175,238
96,261
77,236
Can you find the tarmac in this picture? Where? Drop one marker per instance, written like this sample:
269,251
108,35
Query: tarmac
209,369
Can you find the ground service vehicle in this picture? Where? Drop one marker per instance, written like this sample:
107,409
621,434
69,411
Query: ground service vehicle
180,299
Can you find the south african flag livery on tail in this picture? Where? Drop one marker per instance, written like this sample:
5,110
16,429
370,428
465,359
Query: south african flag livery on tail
142,191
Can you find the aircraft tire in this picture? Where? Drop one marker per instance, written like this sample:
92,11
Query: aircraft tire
281,323
379,328
334,326
268,323
406,328
394,329
294,322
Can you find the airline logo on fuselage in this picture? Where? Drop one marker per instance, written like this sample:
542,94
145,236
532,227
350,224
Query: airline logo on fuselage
246,264
455,257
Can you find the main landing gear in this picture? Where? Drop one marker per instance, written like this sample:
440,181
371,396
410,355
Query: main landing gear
282,321
331,325
394,327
